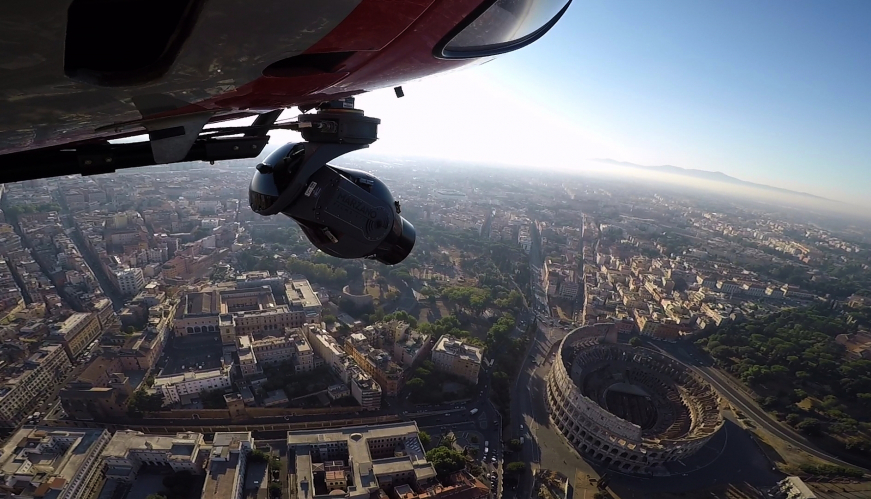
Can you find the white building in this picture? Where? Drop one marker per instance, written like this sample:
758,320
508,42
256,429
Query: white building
176,386
130,281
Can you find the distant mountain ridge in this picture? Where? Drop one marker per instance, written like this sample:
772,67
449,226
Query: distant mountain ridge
712,176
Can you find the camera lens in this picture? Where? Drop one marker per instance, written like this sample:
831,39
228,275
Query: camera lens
398,243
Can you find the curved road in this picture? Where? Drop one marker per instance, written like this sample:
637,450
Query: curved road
742,402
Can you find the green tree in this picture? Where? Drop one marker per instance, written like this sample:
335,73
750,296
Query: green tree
415,384
424,438
768,402
448,441
445,461
274,490
864,399
514,444
515,468
258,456
635,341
809,426
141,402
401,315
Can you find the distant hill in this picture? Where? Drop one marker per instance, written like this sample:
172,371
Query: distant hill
712,176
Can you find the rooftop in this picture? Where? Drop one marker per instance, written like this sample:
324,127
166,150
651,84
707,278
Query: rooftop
72,324
42,461
364,469
300,294
202,303
224,465
453,346
182,445
190,376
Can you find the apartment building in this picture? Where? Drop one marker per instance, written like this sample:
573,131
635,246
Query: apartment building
291,348
130,281
100,391
410,348
26,382
375,362
76,333
452,356
364,389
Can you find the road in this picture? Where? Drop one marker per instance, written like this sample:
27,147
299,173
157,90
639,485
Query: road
458,418
743,402
527,401
91,261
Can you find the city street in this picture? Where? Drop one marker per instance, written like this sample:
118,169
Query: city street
529,413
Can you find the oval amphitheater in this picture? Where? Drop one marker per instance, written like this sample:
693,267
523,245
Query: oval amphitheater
629,408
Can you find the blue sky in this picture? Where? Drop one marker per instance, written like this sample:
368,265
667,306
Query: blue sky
777,92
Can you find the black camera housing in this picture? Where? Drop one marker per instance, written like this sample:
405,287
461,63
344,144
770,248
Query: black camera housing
345,213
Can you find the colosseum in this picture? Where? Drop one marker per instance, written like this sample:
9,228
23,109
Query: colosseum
629,408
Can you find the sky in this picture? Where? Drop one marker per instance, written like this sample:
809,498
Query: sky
776,92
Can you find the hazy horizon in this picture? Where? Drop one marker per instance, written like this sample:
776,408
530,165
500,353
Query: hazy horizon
771,93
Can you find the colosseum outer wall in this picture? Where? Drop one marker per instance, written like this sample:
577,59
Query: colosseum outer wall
601,436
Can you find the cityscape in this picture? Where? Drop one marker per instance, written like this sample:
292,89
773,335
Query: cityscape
553,335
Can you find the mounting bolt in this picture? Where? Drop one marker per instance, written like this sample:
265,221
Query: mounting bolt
88,161
108,160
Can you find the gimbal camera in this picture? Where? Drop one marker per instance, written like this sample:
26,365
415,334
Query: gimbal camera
344,213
